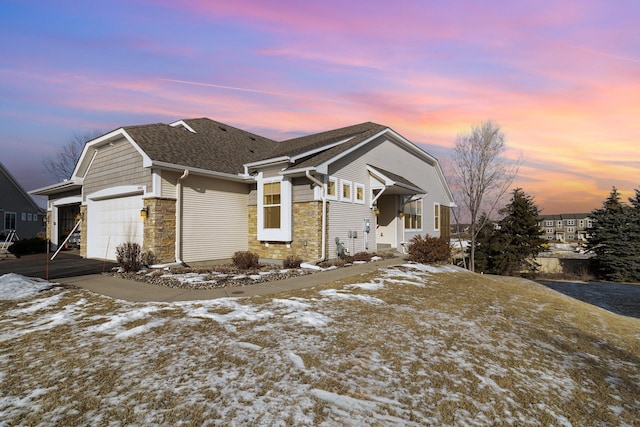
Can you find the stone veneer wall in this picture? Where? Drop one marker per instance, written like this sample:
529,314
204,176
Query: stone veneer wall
307,228
160,229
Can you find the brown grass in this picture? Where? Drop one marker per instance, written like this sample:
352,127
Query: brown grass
457,348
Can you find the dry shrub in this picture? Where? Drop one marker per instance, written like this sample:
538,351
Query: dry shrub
429,250
246,260
292,261
362,256
128,256
148,258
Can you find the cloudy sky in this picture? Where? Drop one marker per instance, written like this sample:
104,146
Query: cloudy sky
562,78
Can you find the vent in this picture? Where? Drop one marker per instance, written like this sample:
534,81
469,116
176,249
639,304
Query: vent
222,129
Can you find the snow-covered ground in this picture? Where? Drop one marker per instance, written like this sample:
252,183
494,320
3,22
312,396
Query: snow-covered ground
406,346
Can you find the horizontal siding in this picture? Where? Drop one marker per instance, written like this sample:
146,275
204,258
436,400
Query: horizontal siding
215,218
396,159
116,165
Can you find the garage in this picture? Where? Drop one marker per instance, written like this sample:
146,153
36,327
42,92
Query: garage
113,219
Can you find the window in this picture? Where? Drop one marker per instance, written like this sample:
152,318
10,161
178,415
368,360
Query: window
559,223
345,191
23,216
332,188
29,217
274,209
271,204
582,223
571,222
570,230
9,220
549,230
359,193
436,216
589,223
413,215
549,223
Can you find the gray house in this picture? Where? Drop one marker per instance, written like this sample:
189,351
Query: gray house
197,190
18,211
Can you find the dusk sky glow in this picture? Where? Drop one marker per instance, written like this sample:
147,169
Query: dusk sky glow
562,78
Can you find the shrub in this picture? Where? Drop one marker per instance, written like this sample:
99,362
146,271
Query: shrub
362,256
147,258
429,250
292,261
245,260
129,257
34,245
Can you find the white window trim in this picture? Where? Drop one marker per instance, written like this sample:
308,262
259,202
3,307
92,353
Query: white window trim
549,223
421,216
436,220
355,193
344,182
336,186
282,234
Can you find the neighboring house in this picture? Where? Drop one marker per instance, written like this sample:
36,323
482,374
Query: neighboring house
18,211
198,190
565,227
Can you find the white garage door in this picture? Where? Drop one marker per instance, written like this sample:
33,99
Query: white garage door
112,222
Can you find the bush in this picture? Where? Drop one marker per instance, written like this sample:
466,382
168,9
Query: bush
429,250
34,245
245,260
292,261
147,258
362,256
129,256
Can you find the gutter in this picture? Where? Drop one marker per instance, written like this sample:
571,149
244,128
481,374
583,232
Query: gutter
179,217
324,216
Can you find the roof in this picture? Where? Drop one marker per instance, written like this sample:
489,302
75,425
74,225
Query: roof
393,179
214,146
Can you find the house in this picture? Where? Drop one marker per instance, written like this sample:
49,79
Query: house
565,227
197,190
18,211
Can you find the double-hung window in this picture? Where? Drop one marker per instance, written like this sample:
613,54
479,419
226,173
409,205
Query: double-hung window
413,215
332,188
9,220
274,209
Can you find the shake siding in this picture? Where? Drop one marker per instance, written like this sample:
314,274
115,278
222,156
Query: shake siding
116,165
215,218
301,191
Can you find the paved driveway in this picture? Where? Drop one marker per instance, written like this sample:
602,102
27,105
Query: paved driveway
64,265
619,298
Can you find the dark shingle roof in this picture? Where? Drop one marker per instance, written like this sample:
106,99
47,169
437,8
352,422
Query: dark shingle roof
356,133
215,146
219,147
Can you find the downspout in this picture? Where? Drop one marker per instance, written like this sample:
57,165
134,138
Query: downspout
179,217
313,179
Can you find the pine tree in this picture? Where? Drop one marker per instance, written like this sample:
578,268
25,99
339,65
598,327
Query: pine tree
613,238
487,245
519,236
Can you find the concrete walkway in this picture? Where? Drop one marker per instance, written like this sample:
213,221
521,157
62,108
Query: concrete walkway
134,291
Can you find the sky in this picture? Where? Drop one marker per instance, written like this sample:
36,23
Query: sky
562,79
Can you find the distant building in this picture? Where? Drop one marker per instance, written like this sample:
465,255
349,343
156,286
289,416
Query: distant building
18,212
565,227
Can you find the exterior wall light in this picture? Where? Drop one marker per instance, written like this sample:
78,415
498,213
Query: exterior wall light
144,212
400,214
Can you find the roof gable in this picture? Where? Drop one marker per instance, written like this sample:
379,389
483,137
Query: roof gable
6,176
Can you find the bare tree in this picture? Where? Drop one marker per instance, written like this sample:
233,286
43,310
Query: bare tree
60,165
482,174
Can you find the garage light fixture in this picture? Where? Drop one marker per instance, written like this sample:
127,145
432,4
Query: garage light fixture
144,212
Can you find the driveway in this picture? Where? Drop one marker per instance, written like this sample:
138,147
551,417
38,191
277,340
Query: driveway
64,265
619,298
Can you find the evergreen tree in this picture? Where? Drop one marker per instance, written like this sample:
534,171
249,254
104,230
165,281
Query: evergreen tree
614,239
519,236
486,245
